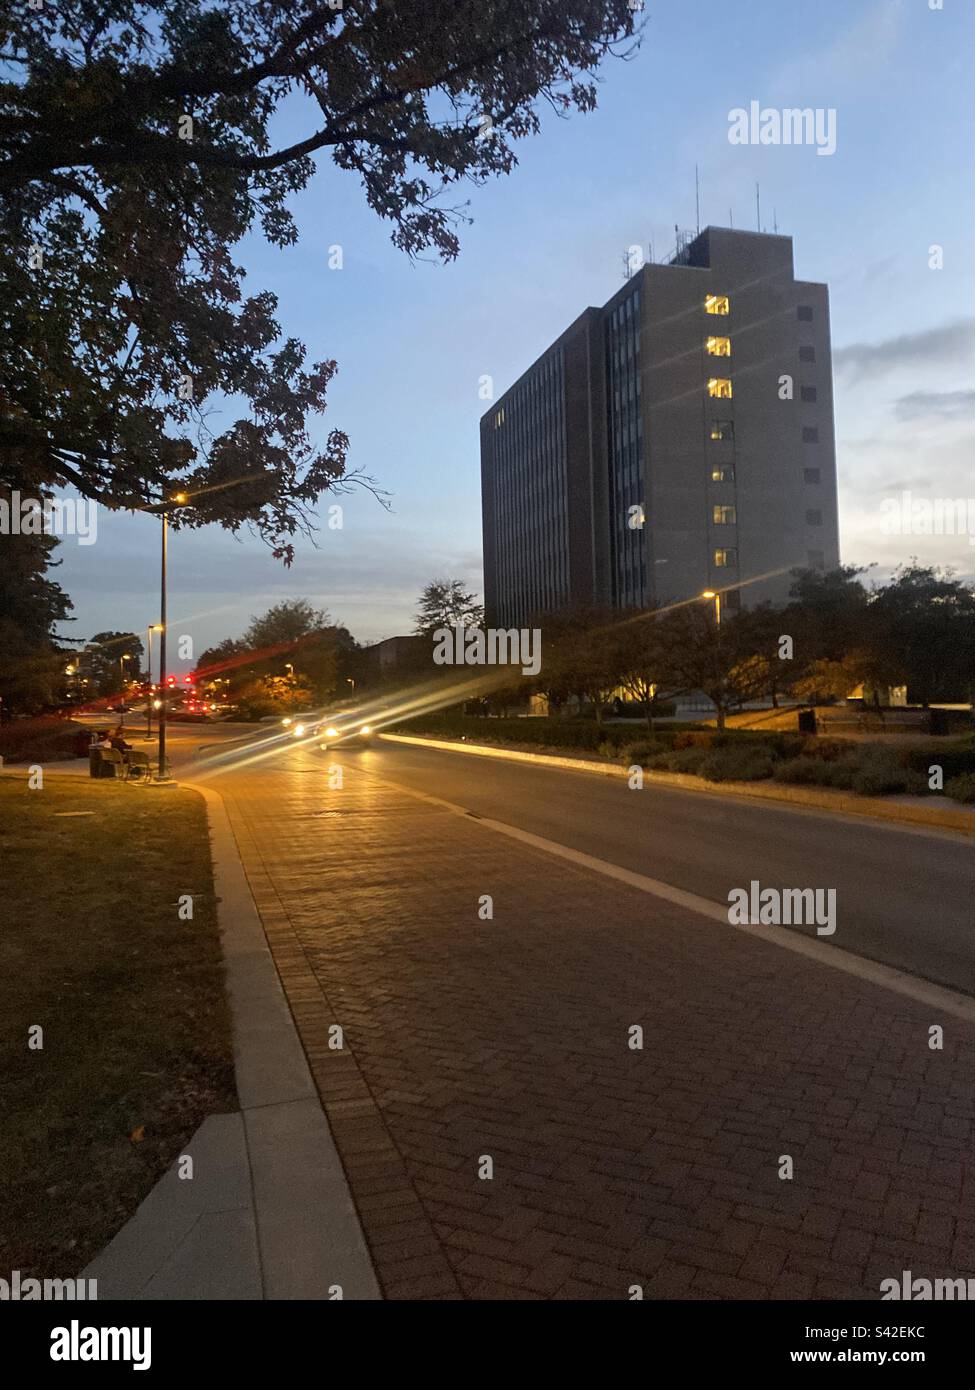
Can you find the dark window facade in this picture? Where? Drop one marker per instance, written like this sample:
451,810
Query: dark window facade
628,551
805,313
807,354
810,395
530,495
812,475
810,434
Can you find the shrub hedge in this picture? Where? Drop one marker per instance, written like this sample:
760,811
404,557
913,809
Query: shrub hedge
566,734
47,738
734,755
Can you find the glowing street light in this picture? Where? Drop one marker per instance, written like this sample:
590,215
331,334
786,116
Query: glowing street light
121,665
710,594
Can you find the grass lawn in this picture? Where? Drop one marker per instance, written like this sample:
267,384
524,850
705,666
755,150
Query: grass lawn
136,1026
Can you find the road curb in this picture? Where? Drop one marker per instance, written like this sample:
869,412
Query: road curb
840,803
279,1221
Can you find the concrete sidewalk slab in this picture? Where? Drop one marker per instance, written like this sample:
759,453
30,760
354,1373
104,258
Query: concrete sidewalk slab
163,1236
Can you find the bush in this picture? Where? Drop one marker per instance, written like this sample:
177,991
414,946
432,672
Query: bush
685,760
827,750
879,772
643,751
962,788
815,772
694,738
957,759
47,738
737,765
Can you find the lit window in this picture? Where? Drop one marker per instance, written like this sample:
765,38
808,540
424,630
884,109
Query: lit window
722,429
716,304
719,387
499,418
724,516
723,559
719,347
723,473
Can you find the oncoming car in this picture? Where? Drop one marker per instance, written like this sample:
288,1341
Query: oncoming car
354,735
300,725
341,734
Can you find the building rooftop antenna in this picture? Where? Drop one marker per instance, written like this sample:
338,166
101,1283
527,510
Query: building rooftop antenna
775,221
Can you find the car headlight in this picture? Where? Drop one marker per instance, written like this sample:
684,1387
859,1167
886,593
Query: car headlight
298,730
331,733
285,722
365,729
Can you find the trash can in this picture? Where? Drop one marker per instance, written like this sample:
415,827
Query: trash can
94,761
807,721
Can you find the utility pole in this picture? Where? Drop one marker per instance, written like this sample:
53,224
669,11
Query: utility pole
150,629
162,649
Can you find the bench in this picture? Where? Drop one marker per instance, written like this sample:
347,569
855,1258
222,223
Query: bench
138,768
109,763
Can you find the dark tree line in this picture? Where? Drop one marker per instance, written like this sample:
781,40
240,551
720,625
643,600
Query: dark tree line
917,630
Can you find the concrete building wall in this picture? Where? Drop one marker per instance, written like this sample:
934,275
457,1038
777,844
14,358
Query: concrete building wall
777,473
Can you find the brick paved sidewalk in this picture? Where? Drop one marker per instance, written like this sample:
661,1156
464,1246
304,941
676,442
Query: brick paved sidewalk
509,1038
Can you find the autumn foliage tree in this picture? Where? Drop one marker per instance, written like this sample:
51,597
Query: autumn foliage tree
139,144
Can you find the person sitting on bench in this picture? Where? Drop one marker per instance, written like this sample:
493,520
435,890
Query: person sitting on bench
117,741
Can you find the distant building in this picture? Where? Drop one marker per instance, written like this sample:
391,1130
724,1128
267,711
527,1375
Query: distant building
678,439
397,654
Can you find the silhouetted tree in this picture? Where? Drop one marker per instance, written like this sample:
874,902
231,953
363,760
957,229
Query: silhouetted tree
446,603
139,144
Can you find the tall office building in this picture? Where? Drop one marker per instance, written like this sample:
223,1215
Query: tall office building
678,439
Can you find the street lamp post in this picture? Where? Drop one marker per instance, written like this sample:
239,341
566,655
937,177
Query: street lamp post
710,593
150,629
121,665
161,773
179,500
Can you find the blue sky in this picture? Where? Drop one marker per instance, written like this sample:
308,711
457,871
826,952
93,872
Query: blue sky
413,340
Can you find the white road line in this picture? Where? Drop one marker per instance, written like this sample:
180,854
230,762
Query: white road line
936,997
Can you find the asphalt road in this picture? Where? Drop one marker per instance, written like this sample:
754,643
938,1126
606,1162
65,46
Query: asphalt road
904,896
